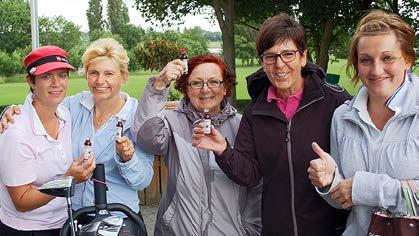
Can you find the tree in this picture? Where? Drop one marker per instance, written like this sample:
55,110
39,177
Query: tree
131,35
10,63
118,16
213,36
60,32
245,44
15,25
328,22
193,40
94,15
165,11
118,21
226,12
75,54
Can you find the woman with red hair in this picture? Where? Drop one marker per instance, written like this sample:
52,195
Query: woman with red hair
200,199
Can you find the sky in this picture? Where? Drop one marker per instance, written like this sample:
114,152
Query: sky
75,11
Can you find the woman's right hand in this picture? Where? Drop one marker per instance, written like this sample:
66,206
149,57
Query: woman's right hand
82,169
322,170
213,141
172,71
7,117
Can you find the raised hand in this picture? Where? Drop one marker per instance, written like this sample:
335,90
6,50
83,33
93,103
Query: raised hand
322,169
125,148
82,169
7,117
172,71
213,141
342,193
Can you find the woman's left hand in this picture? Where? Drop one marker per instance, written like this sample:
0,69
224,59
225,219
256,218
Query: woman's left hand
125,148
342,193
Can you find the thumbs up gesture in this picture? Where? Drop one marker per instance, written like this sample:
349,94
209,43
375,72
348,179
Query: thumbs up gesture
322,169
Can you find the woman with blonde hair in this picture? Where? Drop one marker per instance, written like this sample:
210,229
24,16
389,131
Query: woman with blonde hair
374,138
94,116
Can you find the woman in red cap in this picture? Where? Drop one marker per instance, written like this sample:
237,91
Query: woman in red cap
37,149
94,115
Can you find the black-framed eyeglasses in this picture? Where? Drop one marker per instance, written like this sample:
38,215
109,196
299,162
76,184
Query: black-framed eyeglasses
199,84
286,56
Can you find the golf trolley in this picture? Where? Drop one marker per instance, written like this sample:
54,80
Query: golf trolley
103,223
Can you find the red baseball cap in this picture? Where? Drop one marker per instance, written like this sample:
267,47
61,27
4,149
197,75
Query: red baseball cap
45,59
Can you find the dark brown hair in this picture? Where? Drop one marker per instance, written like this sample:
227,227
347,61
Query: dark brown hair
229,79
278,29
378,22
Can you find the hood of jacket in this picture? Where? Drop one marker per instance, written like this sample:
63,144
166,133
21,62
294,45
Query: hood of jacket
227,110
258,81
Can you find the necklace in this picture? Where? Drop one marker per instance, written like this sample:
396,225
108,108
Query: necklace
99,120
105,116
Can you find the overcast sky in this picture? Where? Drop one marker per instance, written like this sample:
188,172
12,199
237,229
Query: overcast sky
75,11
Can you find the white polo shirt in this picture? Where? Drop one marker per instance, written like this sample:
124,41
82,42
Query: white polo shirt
28,155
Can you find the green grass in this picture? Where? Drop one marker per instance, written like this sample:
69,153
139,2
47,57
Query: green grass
15,92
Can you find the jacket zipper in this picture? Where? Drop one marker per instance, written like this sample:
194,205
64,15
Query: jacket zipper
288,141
291,169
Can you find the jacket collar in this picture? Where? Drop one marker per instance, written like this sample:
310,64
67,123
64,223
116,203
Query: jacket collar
124,114
258,85
37,126
404,101
194,116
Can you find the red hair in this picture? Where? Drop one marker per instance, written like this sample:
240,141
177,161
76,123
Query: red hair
229,79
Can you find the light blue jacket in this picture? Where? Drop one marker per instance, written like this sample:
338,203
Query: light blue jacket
123,179
376,174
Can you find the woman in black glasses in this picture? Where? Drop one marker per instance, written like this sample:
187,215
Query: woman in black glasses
291,107
200,199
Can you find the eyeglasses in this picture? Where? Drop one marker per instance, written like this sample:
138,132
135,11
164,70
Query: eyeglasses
286,56
199,84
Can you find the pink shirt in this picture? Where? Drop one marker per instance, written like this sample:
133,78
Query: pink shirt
289,106
30,156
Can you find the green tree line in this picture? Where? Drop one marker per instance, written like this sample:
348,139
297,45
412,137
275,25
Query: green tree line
15,36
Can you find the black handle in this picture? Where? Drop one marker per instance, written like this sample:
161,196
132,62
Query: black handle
99,183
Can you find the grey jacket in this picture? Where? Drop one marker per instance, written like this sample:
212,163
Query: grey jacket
376,174
200,199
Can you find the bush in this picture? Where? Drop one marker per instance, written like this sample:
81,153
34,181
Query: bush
133,62
74,55
10,64
155,54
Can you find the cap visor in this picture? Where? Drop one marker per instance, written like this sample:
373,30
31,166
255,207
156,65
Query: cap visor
44,68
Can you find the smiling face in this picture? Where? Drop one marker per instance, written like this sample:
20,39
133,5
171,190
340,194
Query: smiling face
50,88
286,77
205,97
105,79
381,64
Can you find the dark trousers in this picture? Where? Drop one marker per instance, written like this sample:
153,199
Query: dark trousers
7,231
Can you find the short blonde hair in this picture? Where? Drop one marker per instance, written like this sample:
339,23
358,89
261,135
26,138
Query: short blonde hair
378,22
106,48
